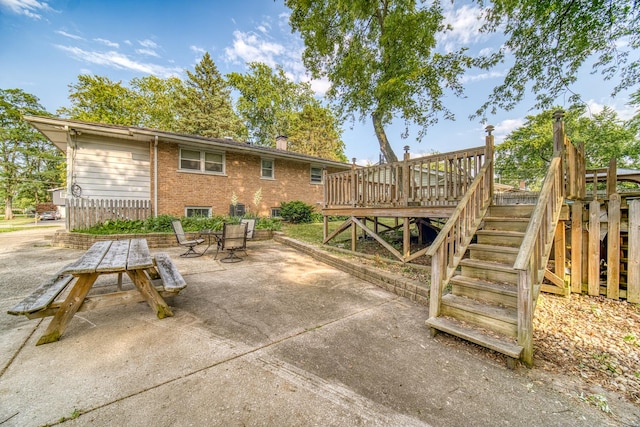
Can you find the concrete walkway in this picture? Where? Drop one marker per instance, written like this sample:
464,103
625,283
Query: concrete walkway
276,340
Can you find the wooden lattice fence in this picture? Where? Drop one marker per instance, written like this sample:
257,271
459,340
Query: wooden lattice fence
84,213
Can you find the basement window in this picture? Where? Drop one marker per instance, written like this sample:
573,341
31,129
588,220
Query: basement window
197,211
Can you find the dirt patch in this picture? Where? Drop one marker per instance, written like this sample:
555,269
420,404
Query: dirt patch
594,338
594,341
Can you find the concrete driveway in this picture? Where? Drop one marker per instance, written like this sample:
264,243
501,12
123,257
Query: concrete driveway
276,340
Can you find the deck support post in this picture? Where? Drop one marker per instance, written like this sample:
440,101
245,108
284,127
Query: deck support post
633,275
613,247
406,238
576,247
593,264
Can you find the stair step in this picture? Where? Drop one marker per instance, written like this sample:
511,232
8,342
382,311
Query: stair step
489,270
505,223
475,336
498,237
503,320
497,253
521,211
482,290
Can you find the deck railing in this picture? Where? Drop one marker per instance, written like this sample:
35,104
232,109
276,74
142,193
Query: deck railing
454,238
84,213
435,180
449,247
532,258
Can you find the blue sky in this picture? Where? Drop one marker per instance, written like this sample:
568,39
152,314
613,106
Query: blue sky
45,45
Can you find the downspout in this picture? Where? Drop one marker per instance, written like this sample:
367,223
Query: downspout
155,177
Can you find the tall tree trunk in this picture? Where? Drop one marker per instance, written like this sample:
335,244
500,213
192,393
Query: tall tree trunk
385,147
8,208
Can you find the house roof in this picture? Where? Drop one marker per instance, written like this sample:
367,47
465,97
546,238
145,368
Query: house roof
58,131
622,174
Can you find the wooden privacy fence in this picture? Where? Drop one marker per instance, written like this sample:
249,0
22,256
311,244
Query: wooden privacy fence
437,180
610,266
84,213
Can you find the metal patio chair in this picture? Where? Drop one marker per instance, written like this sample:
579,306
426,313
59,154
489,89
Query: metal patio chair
234,238
190,244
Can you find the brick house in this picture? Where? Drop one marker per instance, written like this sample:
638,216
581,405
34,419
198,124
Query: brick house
182,175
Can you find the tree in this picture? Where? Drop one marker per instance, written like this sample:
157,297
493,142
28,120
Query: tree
156,101
98,99
267,101
204,106
28,162
526,152
148,102
315,131
550,41
271,104
380,57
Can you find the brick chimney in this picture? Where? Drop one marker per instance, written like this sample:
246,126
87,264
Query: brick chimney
281,142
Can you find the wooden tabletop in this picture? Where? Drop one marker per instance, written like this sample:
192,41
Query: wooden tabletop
112,256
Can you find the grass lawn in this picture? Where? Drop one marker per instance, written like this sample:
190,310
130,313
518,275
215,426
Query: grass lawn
17,224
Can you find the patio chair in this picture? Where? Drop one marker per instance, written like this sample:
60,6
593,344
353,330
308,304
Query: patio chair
188,243
234,238
251,226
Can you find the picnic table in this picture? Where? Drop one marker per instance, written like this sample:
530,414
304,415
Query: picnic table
131,257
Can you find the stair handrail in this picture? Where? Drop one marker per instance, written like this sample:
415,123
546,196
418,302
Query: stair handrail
534,252
449,247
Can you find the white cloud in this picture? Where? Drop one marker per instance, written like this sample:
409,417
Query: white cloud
505,127
107,42
624,111
28,8
119,61
249,47
482,76
65,34
148,44
197,49
147,52
466,23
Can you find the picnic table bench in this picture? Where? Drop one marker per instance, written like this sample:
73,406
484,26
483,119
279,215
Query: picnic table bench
129,256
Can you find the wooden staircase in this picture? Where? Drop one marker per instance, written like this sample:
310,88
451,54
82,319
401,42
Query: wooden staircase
482,304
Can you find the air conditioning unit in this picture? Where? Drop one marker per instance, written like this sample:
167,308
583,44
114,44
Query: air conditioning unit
237,210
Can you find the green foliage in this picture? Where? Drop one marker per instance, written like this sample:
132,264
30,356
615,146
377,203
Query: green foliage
269,224
381,59
296,211
162,224
204,104
526,152
28,161
316,132
549,42
98,99
267,101
147,102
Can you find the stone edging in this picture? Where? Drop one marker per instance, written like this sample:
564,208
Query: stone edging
408,288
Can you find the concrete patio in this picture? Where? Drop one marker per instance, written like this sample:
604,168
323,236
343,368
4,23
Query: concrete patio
278,339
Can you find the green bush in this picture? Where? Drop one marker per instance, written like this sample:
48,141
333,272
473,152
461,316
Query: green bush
268,224
162,224
296,212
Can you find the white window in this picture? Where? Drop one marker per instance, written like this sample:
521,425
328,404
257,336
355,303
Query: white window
198,211
316,175
266,168
201,161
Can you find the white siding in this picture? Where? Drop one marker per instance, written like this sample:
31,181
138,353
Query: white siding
107,168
